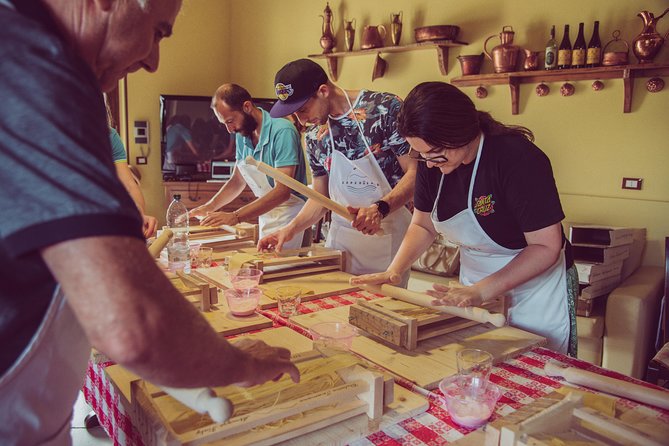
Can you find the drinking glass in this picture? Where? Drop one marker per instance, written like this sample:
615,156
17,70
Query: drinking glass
205,256
288,300
476,365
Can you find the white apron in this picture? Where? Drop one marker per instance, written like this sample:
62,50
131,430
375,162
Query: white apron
540,304
359,183
281,215
38,392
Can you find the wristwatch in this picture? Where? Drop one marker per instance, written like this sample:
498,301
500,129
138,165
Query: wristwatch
383,207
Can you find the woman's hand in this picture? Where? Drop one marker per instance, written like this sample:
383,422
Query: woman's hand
456,296
149,225
200,211
389,277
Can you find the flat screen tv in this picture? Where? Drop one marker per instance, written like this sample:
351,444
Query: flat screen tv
192,137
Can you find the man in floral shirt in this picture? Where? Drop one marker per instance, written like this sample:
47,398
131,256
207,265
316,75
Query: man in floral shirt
357,158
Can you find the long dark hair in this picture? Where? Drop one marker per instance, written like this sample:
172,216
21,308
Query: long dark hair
444,117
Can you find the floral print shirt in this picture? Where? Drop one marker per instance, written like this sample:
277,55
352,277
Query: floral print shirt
377,114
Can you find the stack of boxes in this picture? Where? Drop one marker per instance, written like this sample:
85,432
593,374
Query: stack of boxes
599,253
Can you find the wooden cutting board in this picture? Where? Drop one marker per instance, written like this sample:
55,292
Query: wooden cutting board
434,358
331,432
225,323
317,286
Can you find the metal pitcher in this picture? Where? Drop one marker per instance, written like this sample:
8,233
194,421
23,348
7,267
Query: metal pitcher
505,55
648,43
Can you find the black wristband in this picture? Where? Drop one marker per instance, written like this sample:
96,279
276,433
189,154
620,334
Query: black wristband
383,207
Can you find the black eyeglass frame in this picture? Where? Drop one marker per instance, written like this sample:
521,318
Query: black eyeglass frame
416,155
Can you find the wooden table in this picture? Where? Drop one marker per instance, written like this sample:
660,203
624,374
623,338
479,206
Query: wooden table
522,379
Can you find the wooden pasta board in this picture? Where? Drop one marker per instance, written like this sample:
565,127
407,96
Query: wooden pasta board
330,431
434,358
321,285
226,324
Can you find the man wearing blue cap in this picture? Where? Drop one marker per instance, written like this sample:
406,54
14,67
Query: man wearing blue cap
357,158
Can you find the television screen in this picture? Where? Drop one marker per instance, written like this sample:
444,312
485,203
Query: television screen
192,137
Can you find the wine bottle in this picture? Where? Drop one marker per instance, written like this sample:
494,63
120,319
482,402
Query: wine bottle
551,52
594,55
578,52
564,52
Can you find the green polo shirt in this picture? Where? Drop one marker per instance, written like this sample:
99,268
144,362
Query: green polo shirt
279,144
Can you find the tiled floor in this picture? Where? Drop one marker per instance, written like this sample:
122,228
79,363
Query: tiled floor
80,435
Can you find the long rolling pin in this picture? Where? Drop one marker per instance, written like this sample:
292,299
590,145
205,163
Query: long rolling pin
301,188
160,242
203,400
472,313
606,384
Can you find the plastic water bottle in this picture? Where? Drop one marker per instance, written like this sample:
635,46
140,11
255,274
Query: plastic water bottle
178,249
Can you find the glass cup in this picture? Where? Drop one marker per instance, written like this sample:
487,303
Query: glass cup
205,256
243,302
288,300
194,254
476,365
245,278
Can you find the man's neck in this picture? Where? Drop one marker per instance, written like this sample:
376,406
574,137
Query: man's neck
342,101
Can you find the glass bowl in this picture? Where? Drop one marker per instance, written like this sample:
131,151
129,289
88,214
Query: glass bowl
245,278
336,336
243,302
469,402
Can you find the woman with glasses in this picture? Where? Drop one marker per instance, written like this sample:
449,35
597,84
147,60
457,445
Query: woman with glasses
486,187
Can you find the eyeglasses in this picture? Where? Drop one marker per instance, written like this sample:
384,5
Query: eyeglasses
416,155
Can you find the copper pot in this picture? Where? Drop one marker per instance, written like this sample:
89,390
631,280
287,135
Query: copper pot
372,37
436,32
471,64
505,55
612,58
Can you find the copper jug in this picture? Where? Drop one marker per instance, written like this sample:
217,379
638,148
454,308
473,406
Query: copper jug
648,43
372,36
327,38
349,34
504,56
396,27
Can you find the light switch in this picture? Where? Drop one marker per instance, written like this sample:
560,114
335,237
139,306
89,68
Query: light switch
141,132
632,183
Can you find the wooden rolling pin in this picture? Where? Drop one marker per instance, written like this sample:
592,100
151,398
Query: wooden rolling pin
301,188
654,397
203,400
160,242
472,313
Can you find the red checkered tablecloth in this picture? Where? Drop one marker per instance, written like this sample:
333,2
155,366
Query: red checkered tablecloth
522,379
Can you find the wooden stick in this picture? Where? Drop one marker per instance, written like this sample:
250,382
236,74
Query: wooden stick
301,188
159,243
606,384
614,427
203,400
472,313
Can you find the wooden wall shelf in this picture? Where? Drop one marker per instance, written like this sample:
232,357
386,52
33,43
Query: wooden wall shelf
626,72
441,46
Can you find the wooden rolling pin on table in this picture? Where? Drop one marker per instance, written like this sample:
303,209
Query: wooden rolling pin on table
472,313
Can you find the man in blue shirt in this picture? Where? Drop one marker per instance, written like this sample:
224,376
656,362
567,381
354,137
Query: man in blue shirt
274,141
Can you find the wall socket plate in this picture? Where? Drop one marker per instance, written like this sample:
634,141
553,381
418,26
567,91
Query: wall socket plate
140,160
632,183
141,132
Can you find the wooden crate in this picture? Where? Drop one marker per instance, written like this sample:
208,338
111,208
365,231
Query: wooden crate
341,418
291,263
314,286
403,324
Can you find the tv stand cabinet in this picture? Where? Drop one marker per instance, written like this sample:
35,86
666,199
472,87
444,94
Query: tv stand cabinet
197,193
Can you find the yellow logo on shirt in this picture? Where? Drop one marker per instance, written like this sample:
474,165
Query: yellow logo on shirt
484,205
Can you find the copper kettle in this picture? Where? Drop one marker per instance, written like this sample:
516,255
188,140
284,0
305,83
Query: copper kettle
505,55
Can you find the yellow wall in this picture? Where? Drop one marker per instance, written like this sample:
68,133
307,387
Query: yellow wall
590,142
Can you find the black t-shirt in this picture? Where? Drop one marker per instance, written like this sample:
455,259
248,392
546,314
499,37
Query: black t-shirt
514,191
57,178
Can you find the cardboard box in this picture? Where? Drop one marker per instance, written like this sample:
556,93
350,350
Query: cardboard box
592,235
594,254
589,307
599,288
592,272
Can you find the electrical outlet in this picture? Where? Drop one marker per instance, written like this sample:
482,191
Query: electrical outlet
140,160
632,183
